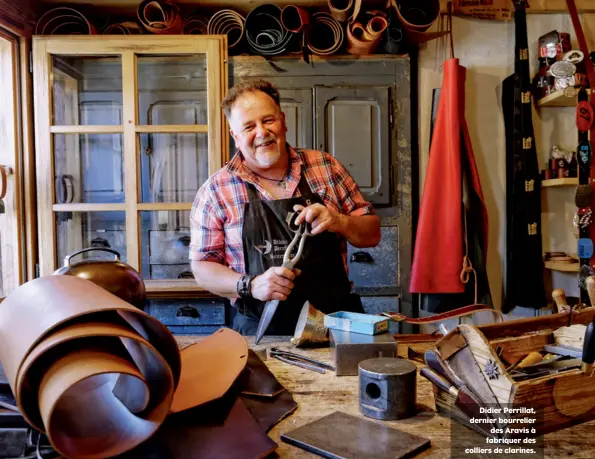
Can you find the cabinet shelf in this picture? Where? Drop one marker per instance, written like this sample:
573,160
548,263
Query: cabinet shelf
564,267
558,99
559,182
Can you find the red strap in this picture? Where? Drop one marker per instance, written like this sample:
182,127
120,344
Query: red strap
459,312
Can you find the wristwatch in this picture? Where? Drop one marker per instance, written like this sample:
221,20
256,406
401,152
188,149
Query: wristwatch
243,286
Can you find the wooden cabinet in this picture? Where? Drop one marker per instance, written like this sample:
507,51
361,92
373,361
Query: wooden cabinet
127,130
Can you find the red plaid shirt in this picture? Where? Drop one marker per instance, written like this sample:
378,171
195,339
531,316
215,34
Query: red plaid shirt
218,211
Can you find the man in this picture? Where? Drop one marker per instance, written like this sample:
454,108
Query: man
238,220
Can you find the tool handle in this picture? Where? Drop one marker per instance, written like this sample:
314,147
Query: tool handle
589,344
438,381
275,351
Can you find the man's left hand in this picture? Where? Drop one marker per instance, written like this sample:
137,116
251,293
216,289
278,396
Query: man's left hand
320,217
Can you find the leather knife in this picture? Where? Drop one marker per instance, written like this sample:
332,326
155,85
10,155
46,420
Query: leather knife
270,308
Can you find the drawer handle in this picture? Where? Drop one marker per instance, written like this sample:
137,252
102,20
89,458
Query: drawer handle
361,257
186,275
184,240
188,311
100,242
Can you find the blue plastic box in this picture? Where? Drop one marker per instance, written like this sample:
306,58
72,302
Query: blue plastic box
366,324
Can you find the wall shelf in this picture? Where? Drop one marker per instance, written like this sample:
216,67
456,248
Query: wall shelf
559,182
558,99
564,267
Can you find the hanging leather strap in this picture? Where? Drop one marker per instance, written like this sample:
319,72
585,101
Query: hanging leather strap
455,313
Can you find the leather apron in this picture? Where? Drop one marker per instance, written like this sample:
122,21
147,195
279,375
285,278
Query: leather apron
323,280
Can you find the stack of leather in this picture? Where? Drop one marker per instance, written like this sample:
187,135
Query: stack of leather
100,377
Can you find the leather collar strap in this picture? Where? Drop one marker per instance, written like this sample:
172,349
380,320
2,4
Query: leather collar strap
265,33
227,22
455,313
64,21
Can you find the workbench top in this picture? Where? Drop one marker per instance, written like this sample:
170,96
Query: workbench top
318,395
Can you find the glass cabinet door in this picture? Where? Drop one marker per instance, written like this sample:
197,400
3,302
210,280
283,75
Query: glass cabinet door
128,130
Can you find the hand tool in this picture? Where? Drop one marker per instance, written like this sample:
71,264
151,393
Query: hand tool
300,360
301,233
589,349
563,350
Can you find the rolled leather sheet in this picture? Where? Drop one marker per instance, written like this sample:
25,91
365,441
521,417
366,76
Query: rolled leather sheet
265,33
365,39
326,36
295,19
98,375
196,25
417,16
160,16
340,9
230,23
64,21
123,28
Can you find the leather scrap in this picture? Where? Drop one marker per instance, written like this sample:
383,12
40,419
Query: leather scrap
269,411
265,33
257,379
326,36
64,21
160,16
228,22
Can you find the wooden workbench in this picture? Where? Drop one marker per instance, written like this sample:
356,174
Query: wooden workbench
320,394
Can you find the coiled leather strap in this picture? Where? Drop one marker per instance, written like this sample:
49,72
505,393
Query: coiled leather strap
327,35
160,16
195,25
64,21
265,33
228,22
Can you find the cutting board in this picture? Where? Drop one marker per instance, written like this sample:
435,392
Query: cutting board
343,436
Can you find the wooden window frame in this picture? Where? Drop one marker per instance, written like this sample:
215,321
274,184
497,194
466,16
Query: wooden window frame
214,48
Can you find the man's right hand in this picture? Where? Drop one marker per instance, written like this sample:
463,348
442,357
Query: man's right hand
274,284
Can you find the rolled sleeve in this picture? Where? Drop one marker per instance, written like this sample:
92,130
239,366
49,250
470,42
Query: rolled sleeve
349,196
207,235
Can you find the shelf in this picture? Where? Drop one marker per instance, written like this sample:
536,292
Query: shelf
175,288
558,99
559,182
564,267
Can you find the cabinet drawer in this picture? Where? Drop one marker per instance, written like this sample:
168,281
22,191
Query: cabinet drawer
188,312
181,271
374,271
168,247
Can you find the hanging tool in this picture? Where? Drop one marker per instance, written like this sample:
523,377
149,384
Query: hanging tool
300,360
301,233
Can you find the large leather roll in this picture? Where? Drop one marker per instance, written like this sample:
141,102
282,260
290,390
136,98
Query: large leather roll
64,21
295,19
196,25
265,33
327,35
394,42
96,374
160,16
340,9
123,28
364,39
230,23
417,16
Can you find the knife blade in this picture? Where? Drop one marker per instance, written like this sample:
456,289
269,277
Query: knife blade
270,308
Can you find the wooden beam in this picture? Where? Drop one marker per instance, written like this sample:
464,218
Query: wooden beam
546,6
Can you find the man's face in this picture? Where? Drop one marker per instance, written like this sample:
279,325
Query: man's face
258,127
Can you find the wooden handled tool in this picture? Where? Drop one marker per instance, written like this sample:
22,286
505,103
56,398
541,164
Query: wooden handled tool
589,349
590,284
559,297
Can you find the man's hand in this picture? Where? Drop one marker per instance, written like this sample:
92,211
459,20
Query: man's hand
320,217
274,284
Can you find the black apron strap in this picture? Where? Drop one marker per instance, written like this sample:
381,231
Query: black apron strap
252,193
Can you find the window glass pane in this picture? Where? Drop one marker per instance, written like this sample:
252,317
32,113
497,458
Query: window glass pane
89,168
172,166
80,230
165,240
87,90
172,90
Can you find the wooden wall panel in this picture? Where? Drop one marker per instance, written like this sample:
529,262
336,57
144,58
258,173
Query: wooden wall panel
18,16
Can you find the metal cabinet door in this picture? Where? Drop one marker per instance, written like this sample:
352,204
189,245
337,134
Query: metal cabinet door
353,125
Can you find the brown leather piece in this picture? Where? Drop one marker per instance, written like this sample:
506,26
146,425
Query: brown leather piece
269,411
455,313
228,22
340,9
160,16
257,379
326,36
364,39
64,21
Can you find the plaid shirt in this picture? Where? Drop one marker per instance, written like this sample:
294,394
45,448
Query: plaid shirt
217,214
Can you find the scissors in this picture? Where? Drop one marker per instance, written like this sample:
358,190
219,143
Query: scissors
302,232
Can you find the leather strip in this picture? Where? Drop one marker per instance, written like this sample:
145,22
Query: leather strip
64,21
340,9
228,22
160,16
327,35
195,25
123,28
265,33
455,313
294,18
68,345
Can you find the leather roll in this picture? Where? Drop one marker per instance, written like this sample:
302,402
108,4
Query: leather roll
64,21
327,34
228,22
295,19
265,33
196,25
99,376
340,9
394,42
417,16
365,39
160,16
123,28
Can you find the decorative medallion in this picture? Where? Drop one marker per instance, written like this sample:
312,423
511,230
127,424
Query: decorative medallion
491,369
